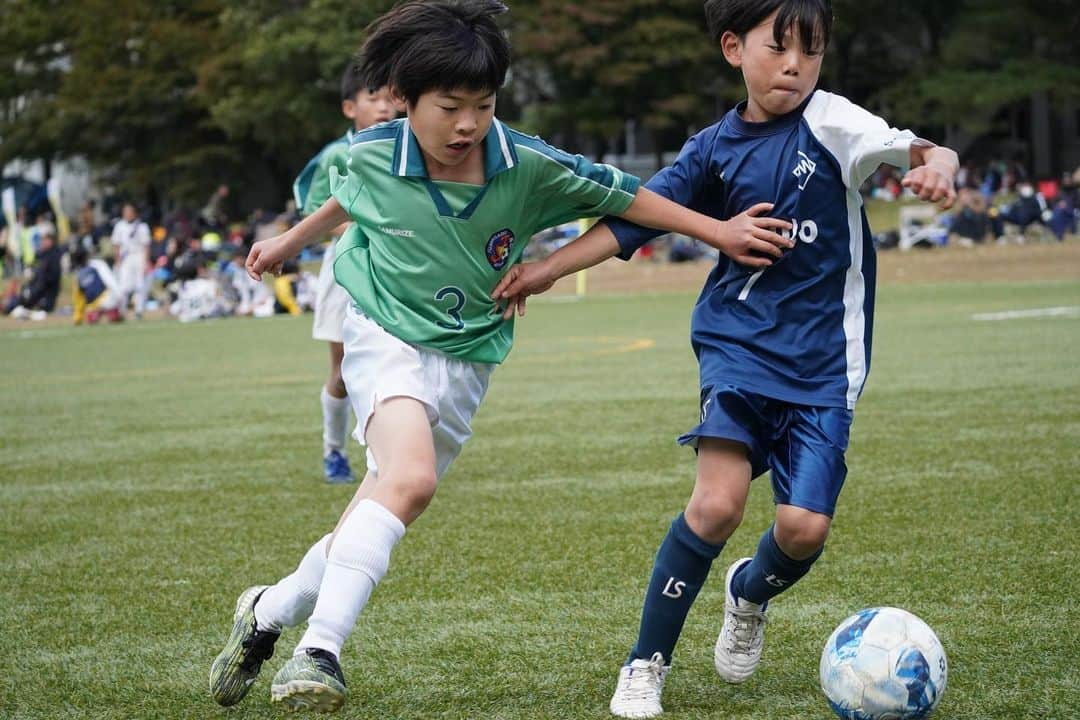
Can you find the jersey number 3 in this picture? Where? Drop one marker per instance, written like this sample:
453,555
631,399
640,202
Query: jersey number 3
457,299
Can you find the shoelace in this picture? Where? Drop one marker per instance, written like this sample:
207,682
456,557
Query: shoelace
259,646
326,663
742,632
642,682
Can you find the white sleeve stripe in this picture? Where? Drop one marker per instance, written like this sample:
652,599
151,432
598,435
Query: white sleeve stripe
507,156
854,301
404,148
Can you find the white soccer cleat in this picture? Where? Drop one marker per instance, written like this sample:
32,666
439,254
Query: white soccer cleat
640,684
738,649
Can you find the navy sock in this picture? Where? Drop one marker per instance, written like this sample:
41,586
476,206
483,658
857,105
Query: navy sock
770,573
681,567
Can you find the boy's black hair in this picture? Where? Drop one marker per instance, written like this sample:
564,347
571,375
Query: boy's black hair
352,82
811,18
424,45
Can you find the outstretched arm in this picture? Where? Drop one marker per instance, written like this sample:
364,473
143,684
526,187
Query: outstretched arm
748,238
268,255
933,173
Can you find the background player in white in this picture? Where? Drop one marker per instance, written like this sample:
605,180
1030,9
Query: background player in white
783,343
131,243
364,106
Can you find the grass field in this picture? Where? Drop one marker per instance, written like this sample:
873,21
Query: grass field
150,472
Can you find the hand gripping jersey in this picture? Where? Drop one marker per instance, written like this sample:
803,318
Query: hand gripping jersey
799,331
423,256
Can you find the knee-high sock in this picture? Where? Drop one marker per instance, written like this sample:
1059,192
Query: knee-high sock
335,418
771,572
359,557
291,600
681,567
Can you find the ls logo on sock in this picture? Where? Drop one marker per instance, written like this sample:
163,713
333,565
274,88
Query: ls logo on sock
674,588
775,581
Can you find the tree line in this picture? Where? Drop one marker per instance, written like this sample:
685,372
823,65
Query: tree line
172,97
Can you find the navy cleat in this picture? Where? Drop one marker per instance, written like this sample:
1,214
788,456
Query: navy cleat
336,467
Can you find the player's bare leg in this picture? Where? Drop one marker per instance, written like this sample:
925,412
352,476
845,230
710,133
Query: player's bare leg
681,567
335,411
399,437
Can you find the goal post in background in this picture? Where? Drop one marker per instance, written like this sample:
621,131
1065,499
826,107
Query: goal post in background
582,276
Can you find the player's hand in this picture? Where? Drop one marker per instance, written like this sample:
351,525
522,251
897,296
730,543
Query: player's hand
265,256
932,183
753,240
518,283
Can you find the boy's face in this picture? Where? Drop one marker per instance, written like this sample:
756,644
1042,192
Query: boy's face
369,107
778,77
451,124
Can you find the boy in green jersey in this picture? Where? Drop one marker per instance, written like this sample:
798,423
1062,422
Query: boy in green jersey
365,107
442,204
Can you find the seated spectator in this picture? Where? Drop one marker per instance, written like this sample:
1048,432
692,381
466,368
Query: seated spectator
970,222
38,297
1027,209
1065,210
95,292
192,262
243,292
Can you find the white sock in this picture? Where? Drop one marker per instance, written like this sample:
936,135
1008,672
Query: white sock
335,420
291,601
358,559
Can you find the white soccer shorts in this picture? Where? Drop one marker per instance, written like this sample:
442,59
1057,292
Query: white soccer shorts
378,366
330,302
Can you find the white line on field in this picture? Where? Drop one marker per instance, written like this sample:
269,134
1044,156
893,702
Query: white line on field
1065,311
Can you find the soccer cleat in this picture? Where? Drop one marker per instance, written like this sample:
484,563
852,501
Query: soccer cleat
637,694
336,467
235,669
738,649
311,680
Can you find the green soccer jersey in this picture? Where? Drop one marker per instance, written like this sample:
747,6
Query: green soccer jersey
423,256
312,186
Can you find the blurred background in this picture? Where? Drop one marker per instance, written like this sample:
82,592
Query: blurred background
201,113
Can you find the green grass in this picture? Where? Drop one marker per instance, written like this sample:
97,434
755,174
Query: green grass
150,472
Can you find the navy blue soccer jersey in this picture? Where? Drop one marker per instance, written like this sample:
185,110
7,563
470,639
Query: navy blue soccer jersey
800,330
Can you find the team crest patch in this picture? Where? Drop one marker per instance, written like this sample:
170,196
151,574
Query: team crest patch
498,248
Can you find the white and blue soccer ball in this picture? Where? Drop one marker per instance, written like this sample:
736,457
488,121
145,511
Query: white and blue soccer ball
883,664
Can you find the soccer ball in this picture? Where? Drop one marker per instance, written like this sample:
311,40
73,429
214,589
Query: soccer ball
883,664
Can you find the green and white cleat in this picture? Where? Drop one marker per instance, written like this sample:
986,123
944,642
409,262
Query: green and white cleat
311,680
236,667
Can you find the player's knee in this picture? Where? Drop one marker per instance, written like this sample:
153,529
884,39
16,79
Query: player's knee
714,516
414,485
801,538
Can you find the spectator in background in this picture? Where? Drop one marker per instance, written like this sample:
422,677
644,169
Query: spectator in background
131,243
971,222
214,213
95,292
1029,209
43,226
38,298
191,263
1063,211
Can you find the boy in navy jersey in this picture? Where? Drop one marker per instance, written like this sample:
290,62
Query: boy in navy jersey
783,341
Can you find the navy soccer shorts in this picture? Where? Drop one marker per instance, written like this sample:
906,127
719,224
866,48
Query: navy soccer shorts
802,446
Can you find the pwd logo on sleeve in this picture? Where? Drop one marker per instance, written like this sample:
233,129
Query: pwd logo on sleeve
498,248
804,170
